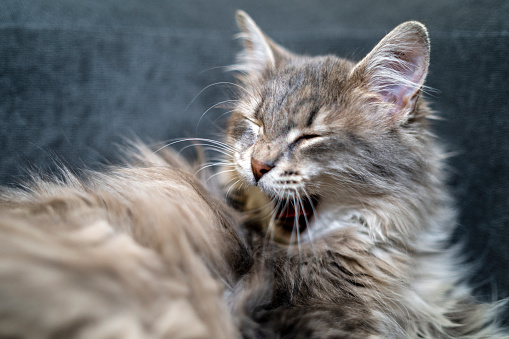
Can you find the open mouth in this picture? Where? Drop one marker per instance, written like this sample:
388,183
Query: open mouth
296,213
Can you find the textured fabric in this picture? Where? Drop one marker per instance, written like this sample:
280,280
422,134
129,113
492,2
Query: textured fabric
78,76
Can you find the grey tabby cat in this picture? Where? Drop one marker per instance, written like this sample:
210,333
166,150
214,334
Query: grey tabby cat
341,227
347,183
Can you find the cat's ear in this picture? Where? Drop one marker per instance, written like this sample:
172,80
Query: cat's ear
260,52
396,68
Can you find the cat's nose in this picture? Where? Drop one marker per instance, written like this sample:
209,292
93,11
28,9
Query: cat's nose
260,168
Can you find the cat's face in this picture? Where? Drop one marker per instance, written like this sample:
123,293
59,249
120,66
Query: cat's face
314,137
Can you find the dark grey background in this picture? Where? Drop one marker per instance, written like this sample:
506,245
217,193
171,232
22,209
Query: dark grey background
78,76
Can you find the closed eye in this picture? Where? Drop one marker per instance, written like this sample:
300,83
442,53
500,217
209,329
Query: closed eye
306,137
254,122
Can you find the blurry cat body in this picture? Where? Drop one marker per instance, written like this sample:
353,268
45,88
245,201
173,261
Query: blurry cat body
143,251
342,227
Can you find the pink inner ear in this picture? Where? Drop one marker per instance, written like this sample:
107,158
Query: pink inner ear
401,78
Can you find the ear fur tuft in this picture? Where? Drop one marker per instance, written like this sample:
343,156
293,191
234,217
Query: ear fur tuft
260,52
396,68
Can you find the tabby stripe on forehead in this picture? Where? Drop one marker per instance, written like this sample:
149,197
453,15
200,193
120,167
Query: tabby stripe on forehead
312,116
259,108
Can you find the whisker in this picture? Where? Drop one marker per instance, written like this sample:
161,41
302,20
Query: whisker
211,107
218,163
213,68
297,226
231,186
223,145
216,84
209,148
211,85
272,222
218,173
229,156
292,235
225,113
310,231
263,207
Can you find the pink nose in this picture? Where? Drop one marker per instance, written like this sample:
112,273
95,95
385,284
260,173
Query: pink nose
260,168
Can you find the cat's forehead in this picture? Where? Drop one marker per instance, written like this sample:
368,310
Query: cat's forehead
307,73
293,96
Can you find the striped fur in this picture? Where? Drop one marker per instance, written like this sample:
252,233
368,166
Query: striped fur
372,258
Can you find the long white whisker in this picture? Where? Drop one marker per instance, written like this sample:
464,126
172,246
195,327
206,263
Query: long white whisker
226,147
292,235
310,231
218,173
209,148
212,164
231,186
211,107
225,113
297,226
263,207
272,221
215,84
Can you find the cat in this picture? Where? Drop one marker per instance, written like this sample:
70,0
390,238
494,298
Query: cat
350,217
338,223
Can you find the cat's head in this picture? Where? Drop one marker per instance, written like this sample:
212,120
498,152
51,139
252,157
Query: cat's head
324,136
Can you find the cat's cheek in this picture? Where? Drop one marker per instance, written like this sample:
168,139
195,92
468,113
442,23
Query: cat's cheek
310,171
247,139
243,165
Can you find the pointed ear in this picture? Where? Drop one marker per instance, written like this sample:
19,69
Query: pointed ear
260,52
396,68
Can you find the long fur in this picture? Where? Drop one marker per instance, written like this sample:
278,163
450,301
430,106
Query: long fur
141,251
373,258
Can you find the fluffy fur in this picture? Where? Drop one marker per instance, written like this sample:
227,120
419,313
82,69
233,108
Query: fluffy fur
142,251
336,165
341,229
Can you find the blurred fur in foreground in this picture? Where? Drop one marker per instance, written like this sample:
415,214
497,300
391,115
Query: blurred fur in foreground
142,251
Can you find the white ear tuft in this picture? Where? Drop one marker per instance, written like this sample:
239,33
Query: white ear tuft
396,68
260,52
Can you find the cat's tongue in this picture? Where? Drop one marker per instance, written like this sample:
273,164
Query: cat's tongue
289,211
291,217
294,209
